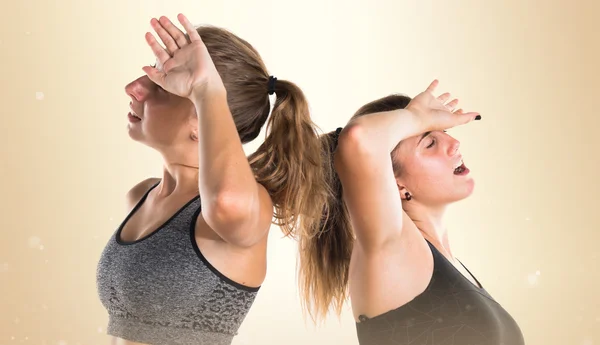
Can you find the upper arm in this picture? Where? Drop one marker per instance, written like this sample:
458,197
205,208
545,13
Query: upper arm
240,221
134,195
370,190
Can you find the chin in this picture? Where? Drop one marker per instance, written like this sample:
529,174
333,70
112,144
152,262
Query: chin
462,190
134,133
467,188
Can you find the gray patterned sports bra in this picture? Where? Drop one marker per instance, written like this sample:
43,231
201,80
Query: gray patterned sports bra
161,290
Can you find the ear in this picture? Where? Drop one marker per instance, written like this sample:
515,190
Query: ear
193,127
194,135
404,193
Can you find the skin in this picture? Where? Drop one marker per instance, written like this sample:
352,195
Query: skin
391,262
182,103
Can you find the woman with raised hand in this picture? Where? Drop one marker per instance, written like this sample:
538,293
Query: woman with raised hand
383,241
185,265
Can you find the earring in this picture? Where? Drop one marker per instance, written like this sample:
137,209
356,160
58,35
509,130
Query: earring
408,196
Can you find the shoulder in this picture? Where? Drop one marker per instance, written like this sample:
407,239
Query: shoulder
134,195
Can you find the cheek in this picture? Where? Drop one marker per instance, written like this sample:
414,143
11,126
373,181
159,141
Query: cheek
428,174
436,169
165,114
429,167
158,126
155,109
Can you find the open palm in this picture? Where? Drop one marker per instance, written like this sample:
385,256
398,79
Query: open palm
183,64
436,113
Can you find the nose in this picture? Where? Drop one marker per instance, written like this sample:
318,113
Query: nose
453,146
139,88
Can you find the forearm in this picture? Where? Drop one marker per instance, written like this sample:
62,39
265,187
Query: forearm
225,180
363,163
381,132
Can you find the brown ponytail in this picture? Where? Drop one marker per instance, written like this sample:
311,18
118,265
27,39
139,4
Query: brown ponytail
289,161
325,250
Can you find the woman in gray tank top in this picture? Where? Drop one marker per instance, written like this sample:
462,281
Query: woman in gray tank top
186,263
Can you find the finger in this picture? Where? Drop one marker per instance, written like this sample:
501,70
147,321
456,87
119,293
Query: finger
189,28
459,112
433,85
164,36
468,117
155,75
161,54
174,31
444,97
452,104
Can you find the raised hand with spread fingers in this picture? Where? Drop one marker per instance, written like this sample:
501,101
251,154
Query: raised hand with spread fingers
184,66
436,113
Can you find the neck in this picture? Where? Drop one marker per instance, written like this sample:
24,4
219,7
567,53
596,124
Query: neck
180,175
430,221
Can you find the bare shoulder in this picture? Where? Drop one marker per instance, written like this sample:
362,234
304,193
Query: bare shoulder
386,279
137,191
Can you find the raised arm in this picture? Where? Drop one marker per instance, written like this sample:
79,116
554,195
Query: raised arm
234,205
364,165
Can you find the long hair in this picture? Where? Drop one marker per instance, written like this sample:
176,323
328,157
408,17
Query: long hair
288,163
325,250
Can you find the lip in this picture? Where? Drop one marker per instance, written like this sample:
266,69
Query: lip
132,118
464,172
459,160
133,110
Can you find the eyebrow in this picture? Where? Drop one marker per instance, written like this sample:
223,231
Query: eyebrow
423,137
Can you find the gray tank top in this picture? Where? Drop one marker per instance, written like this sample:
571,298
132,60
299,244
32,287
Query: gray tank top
160,289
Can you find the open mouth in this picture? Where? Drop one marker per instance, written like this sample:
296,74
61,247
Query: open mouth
461,169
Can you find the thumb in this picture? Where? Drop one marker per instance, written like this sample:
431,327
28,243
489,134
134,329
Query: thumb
155,75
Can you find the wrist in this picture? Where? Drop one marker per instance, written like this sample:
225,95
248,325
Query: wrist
413,121
207,91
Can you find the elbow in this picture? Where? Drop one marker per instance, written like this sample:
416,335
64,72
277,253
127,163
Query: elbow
227,209
353,142
230,215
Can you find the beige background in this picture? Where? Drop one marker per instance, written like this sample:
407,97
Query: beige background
530,232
